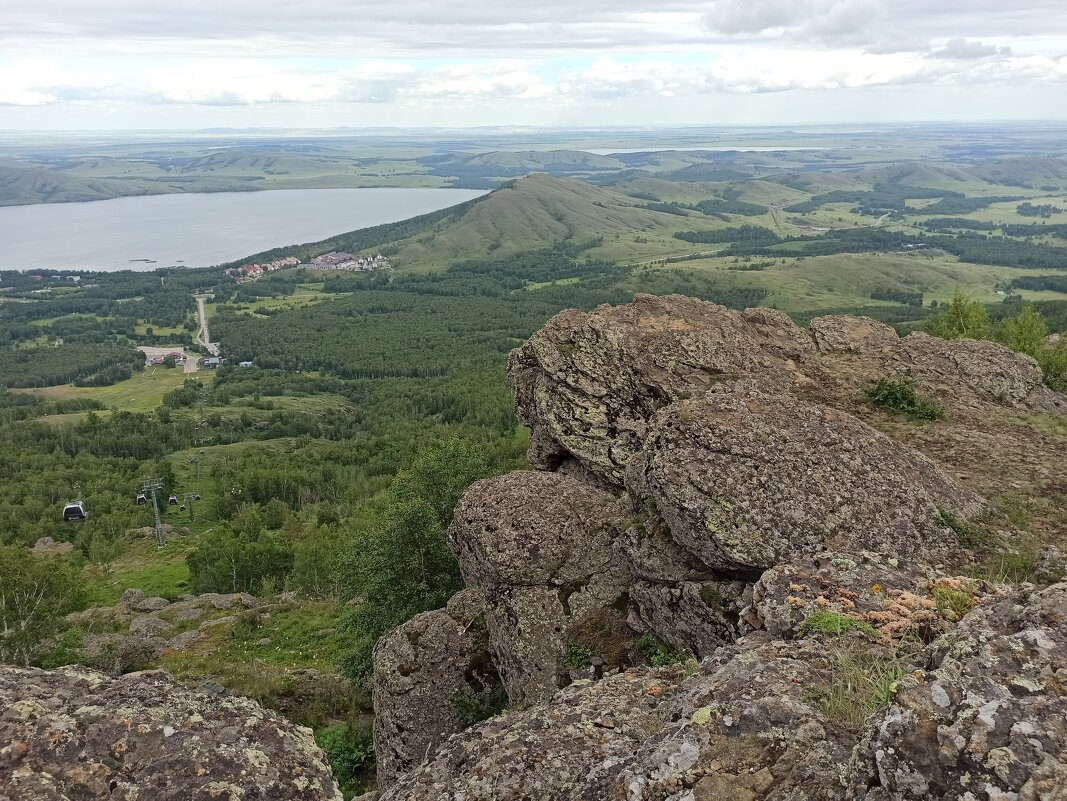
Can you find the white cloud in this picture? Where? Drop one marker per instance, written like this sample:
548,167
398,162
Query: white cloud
487,54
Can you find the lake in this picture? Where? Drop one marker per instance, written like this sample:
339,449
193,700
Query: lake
198,230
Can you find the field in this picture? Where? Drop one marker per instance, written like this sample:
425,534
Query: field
142,393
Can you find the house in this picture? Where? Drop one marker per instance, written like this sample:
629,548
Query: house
210,362
244,364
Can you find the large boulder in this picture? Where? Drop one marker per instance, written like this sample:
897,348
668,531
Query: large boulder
74,733
541,548
548,753
747,480
987,719
970,368
846,333
428,674
587,383
745,726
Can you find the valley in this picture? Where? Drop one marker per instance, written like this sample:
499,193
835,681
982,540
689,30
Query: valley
326,472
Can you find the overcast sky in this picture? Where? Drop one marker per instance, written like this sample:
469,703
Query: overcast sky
86,64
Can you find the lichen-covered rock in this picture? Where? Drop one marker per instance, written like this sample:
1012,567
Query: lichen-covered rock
540,547
425,673
893,598
587,383
987,719
549,753
968,367
744,727
76,734
747,480
848,333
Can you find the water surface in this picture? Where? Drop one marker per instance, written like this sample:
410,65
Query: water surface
198,230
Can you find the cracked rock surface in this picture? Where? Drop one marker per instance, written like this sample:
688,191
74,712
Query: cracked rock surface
73,734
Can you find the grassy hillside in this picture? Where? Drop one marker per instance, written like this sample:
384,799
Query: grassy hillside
20,184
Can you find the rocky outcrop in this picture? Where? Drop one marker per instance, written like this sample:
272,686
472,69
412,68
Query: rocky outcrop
747,480
77,734
705,488
847,333
428,673
988,716
986,371
587,384
540,548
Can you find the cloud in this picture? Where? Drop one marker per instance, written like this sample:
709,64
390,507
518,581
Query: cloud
960,48
503,28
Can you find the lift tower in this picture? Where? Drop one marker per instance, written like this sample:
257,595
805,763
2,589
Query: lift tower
151,485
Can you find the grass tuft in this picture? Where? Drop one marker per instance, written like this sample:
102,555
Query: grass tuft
861,683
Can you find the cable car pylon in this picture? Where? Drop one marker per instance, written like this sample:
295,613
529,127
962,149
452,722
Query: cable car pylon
150,486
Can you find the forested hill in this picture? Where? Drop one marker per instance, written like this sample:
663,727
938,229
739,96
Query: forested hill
530,213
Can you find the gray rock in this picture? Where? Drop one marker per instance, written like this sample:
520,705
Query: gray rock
554,751
116,653
48,546
218,621
968,367
148,626
847,333
151,604
747,480
425,673
587,383
182,641
132,597
75,733
186,613
988,716
894,597
540,547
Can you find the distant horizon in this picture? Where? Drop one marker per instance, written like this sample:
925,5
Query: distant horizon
520,128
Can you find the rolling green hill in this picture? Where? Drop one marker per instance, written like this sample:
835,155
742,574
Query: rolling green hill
530,213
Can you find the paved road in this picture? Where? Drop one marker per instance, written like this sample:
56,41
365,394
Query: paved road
202,336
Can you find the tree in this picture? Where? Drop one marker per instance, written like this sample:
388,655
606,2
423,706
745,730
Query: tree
1025,332
960,318
226,561
398,560
35,594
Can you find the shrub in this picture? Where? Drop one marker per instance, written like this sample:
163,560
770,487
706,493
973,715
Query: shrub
969,534
351,754
901,396
656,652
576,656
952,604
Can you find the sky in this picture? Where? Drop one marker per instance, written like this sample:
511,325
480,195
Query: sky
188,64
